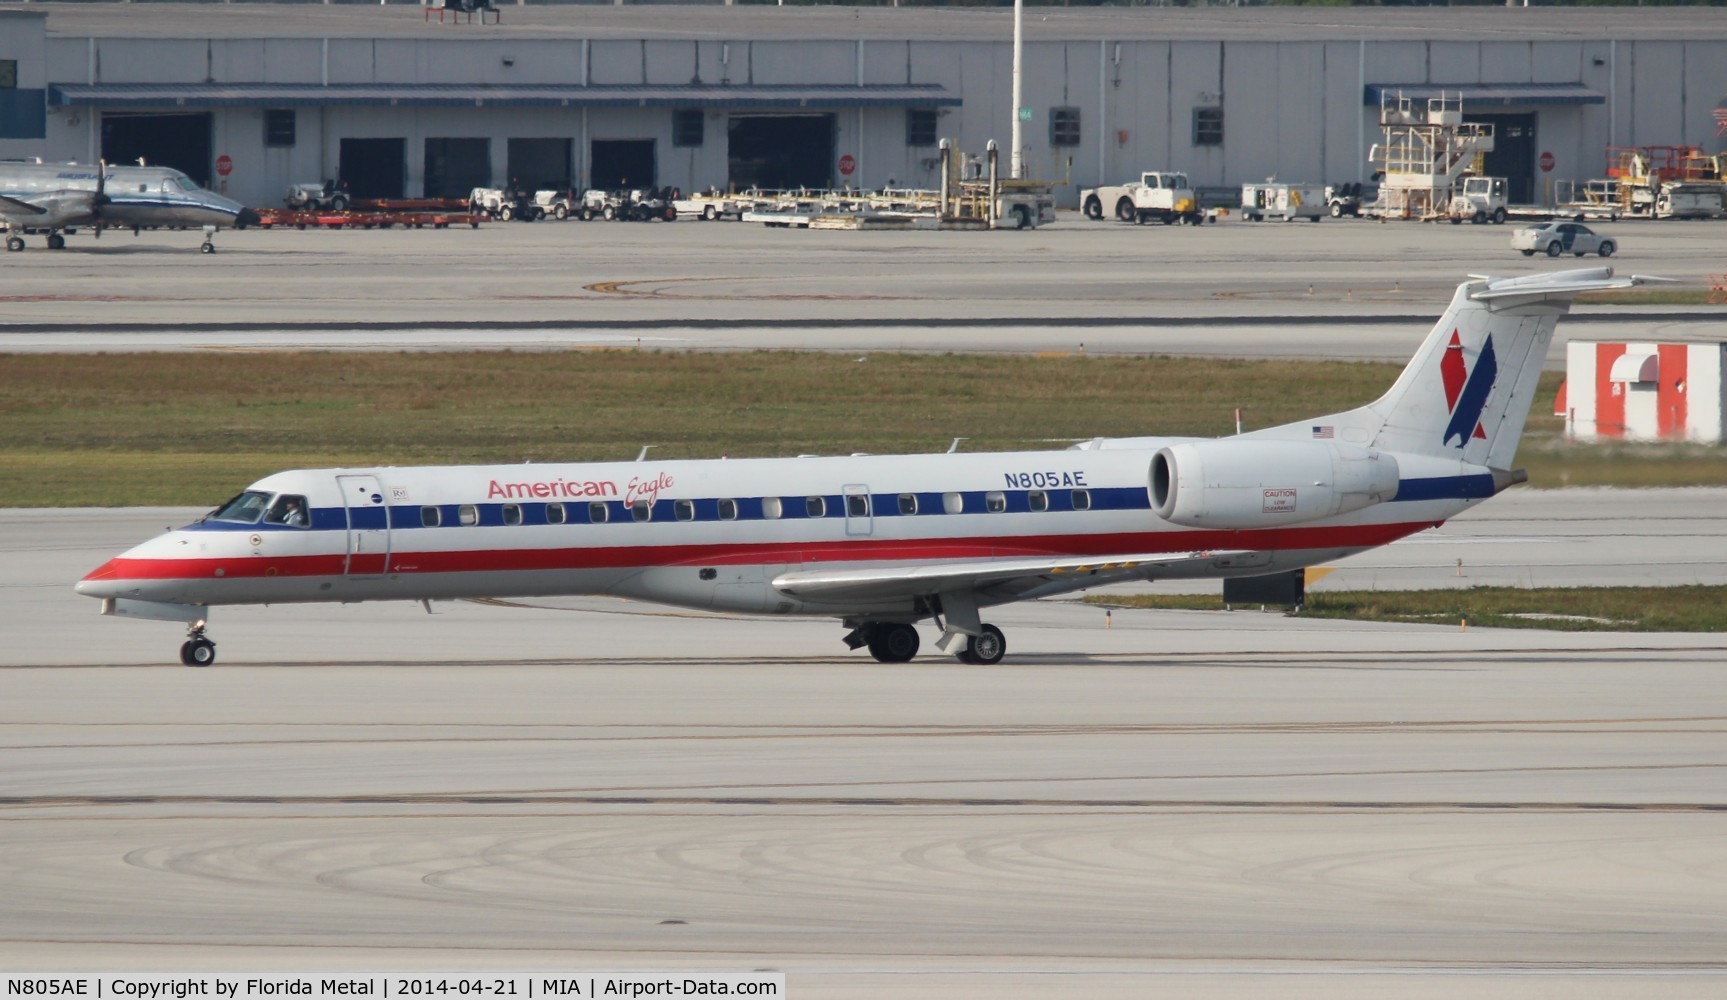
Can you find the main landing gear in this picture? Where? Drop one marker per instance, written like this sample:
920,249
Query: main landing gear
897,642
198,650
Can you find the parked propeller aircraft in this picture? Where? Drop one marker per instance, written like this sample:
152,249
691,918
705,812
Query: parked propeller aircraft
57,198
885,542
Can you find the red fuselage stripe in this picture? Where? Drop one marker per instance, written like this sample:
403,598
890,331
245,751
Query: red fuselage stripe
778,553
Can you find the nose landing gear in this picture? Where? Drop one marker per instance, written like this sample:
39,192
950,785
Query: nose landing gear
198,650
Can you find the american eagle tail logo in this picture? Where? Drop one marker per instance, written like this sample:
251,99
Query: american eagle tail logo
1466,391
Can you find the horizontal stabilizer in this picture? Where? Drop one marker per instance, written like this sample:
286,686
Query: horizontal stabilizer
1554,285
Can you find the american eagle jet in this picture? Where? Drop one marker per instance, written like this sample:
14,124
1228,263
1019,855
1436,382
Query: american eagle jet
885,543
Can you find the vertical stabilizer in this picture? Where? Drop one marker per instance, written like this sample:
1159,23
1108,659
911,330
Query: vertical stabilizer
1466,394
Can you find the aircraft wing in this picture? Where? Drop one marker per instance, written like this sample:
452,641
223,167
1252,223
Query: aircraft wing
12,206
71,207
1019,577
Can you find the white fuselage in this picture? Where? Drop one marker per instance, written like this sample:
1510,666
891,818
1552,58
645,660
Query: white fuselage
718,533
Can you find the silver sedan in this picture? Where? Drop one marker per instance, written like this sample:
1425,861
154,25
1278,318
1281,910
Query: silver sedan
1555,238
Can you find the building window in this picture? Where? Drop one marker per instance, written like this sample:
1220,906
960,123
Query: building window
1064,126
687,128
919,127
1208,126
278,126
8,74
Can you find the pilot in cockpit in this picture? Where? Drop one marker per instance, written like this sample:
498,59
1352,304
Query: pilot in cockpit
288,510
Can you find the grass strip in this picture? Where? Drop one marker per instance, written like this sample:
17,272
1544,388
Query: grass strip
1655,297
129,429
1565,609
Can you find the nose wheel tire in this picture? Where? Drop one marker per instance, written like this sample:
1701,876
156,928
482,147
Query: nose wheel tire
207,248
198,652
985,649
893,642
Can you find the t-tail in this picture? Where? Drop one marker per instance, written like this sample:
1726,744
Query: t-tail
1466,394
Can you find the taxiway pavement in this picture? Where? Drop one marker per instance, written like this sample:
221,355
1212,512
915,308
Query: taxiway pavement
1339,289
1219,804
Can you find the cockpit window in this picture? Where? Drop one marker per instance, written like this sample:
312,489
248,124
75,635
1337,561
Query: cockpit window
186,184
246,508
289,510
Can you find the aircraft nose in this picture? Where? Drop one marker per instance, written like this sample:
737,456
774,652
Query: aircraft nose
103,581
247,217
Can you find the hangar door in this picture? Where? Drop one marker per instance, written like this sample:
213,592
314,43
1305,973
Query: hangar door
181,141
622,163
780,151
538,164
455,167
374,168
1513,156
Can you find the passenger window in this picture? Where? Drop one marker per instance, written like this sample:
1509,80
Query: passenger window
290,511
512,513
953,503
728,510
431,517
554,513
468,514
1081,499
686,510
1037,500
908,503
857,505
597,513
995,502
772,508
816,506
642,510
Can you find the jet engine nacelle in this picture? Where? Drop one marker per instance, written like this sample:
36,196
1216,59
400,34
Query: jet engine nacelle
1266,484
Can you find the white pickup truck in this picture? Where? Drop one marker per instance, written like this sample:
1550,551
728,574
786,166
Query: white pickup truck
1164,196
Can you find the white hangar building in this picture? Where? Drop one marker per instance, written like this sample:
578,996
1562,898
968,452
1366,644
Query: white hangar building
249,98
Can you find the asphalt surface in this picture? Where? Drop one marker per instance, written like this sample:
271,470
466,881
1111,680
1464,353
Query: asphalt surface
1341,288
1218,804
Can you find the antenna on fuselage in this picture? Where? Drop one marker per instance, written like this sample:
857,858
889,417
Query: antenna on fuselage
955,446
642,456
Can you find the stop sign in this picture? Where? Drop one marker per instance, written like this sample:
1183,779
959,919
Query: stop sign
1546,161
224,165
847,165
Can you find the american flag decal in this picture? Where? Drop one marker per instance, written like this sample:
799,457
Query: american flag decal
1324,432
